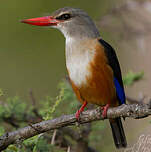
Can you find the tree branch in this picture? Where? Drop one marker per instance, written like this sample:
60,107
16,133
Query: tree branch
136,111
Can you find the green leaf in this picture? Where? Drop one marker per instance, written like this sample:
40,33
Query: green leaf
131,77
52,104
31,141
12,148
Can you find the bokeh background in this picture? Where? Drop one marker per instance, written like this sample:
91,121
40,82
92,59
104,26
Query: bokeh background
33,57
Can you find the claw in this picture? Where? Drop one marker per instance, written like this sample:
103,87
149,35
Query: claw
105,108
77,115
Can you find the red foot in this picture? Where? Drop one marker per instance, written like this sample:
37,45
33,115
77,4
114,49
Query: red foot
77,115
105,108
80,110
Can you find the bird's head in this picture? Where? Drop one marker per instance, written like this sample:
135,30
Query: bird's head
70,21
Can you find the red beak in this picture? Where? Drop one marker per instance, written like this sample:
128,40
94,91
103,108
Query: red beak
41,21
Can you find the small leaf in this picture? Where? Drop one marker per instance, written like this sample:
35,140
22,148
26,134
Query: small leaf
12,148
131,77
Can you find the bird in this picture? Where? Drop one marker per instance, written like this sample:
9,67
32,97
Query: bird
92,65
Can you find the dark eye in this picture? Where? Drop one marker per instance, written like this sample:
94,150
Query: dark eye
64,17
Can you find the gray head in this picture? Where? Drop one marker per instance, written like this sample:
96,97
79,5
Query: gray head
72,22
76,22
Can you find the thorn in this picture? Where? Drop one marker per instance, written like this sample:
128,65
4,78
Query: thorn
69,148
53,137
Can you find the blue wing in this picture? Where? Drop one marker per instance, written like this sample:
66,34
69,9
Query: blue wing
119,91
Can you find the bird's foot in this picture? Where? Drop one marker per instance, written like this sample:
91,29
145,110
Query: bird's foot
77,115
105,108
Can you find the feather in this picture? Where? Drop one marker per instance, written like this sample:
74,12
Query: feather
119,91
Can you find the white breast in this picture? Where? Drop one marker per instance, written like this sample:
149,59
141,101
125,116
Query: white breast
77,62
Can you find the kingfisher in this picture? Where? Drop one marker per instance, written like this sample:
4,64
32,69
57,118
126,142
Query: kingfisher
91,62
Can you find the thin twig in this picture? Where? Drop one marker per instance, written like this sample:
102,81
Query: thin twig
35,111
68,150
53,137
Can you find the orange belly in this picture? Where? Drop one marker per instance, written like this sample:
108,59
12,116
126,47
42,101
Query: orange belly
99,89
